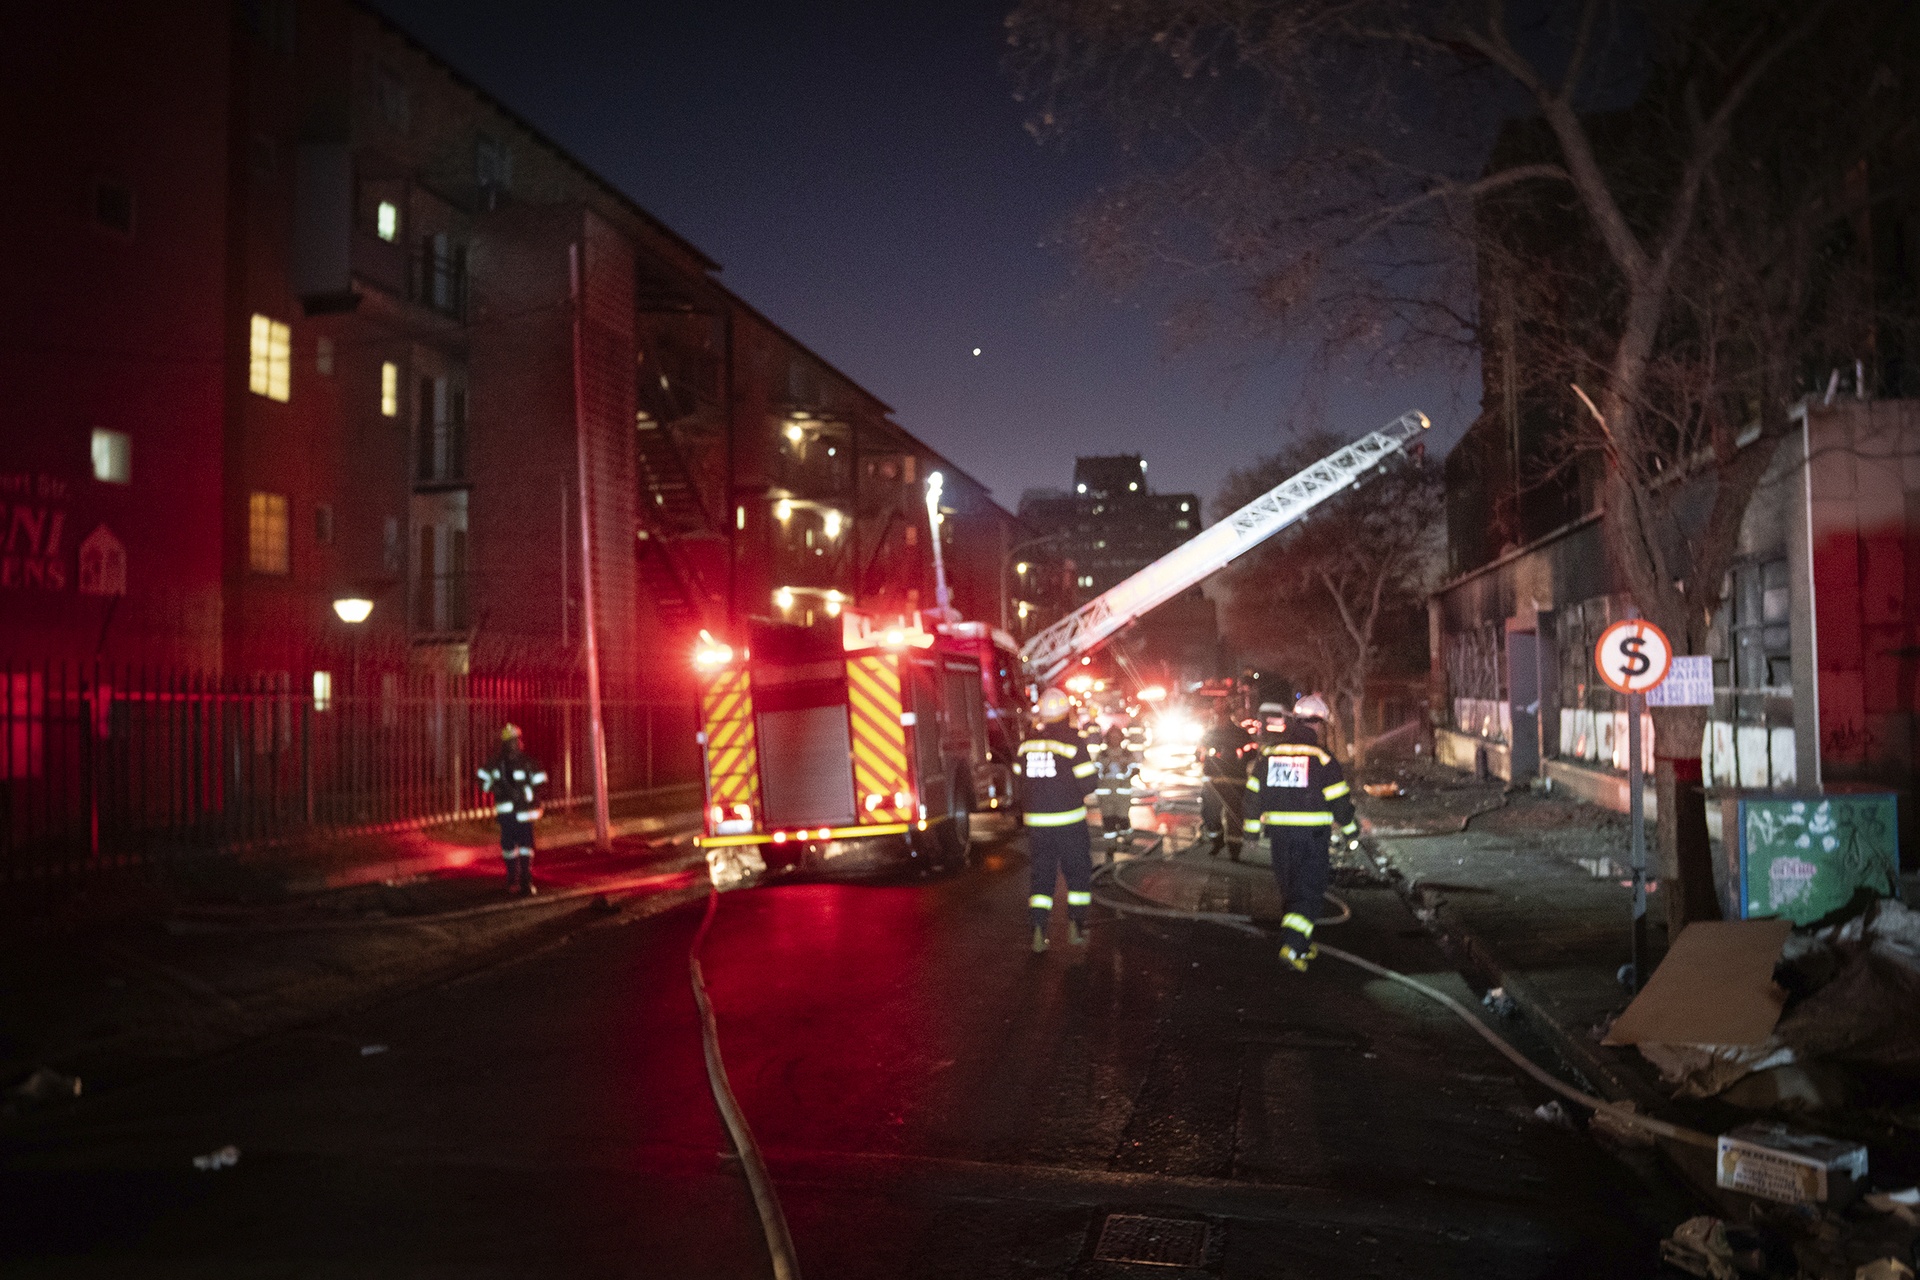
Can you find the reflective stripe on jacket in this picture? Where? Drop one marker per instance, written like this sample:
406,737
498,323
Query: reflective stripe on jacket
1299,785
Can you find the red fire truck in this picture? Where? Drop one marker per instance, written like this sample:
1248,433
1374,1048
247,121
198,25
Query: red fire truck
863,749
853,752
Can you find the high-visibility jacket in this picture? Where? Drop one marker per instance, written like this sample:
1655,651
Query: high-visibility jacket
1298,785
1055,774
510,778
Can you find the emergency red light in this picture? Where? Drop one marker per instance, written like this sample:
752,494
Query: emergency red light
711,654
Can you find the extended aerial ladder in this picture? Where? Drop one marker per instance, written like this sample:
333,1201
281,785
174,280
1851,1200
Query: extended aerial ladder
1051,651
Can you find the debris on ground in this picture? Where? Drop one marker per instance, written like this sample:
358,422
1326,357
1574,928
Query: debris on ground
43,1085
225,1158
1708,1247
1904,1204
1884,1269
1849,989
1554,1114
1383,790
1500,1003
1602,868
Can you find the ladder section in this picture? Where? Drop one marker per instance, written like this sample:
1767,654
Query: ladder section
1049,652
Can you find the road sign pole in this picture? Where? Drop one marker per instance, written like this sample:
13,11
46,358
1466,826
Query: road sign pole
1637,810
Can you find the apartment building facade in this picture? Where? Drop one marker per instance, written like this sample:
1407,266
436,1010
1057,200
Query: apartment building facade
311,318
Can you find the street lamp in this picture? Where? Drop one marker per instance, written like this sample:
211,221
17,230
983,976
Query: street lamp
941,598
354,611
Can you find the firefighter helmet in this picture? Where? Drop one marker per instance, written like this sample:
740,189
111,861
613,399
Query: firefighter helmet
508,732
1054,705
1311,707
1273,717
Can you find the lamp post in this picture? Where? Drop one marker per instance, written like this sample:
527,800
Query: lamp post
942,600
354,611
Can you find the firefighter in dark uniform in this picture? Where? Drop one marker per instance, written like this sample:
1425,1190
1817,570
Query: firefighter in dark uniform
1301,798
510,778
1054,774
1223,770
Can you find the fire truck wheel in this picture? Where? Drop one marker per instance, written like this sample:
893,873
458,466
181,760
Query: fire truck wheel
956,834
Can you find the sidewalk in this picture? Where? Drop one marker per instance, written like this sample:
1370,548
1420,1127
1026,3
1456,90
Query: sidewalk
1499,877
118,979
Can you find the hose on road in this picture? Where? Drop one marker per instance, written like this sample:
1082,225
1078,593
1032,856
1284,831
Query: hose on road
1244,924
773,1220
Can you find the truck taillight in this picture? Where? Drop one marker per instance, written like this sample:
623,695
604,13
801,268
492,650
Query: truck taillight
711,655
738,822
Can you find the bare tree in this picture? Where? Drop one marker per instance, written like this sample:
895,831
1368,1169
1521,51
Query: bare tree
1334,600
1323,168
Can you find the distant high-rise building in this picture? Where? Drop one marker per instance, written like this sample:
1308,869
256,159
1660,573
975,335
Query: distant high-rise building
1109,526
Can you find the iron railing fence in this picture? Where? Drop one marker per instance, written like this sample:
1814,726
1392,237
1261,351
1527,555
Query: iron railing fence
104,766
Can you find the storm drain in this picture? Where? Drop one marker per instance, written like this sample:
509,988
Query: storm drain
1153,1242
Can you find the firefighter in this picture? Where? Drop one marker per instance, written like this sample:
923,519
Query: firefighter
1302,796
1223,769
1055,773
510,778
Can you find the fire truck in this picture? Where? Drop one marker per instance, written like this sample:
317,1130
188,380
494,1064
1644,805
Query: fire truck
857,751
869,748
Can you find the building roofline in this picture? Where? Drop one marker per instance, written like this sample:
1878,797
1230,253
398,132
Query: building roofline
1570,527
539,135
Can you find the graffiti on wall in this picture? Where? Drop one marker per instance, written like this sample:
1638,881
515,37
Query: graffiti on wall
36,551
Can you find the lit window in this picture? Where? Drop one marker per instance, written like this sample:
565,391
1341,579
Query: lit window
112,456
322,690
270,359
386,220
267,532
389,389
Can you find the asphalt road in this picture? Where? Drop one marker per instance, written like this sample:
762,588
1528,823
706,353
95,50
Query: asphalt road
933,1101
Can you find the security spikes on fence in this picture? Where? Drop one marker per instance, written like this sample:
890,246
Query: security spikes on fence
106,765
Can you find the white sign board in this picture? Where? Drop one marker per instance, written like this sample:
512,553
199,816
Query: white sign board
1633,656
1688,684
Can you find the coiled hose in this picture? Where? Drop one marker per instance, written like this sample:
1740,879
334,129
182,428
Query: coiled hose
1244,924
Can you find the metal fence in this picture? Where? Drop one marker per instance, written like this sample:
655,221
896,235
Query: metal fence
106,766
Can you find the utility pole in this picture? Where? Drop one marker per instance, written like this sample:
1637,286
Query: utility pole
596,727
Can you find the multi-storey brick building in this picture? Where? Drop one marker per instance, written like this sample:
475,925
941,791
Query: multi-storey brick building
310,317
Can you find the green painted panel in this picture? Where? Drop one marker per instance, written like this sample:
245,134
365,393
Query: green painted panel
1804,857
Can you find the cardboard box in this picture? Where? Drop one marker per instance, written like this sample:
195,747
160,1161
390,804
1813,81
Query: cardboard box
1774,1163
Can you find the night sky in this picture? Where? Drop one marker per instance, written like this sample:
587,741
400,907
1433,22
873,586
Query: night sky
860,172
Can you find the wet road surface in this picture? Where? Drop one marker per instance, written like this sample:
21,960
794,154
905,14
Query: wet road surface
933,1100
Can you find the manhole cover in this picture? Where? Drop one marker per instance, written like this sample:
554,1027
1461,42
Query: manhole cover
1155,1242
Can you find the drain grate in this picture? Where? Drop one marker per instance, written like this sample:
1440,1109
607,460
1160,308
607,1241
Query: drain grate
1154,1242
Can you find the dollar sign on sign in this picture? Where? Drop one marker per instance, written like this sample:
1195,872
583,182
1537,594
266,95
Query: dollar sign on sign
1638,663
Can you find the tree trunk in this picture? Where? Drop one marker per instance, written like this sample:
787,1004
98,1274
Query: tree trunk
1685,855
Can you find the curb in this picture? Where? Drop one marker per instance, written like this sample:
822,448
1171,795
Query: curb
450,857
1575,1051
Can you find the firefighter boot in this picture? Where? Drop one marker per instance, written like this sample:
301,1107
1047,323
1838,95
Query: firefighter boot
1298,951
1039,938
1077,933
513,873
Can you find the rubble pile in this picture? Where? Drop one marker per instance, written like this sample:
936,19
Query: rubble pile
1848,1033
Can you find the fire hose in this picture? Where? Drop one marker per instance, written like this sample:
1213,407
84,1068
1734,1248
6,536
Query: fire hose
1146,906
773,1220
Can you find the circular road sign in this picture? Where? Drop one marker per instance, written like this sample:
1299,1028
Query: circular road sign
1633,656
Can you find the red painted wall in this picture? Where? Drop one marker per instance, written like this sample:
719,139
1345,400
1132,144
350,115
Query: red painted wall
102,328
